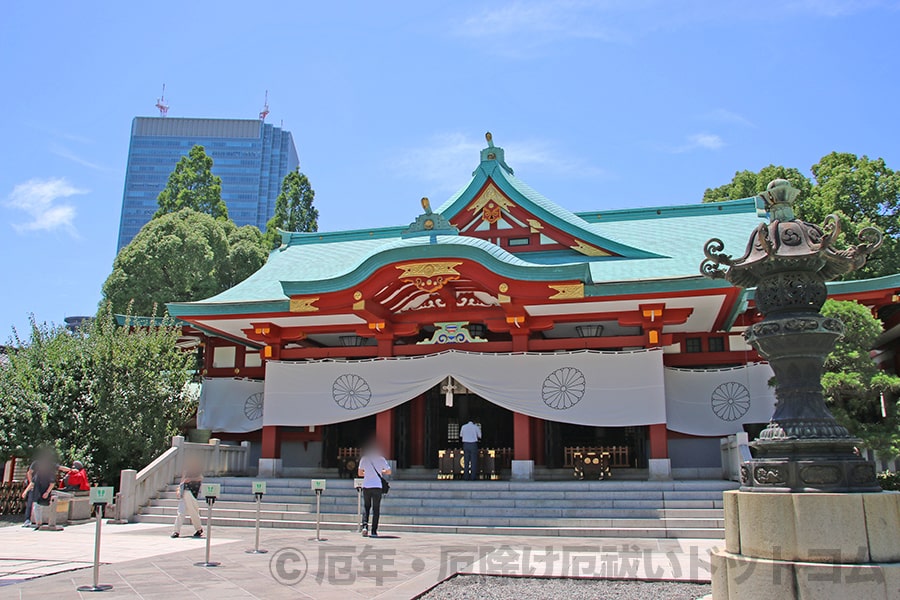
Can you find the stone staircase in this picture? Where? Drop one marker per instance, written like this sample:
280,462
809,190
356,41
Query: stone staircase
666,509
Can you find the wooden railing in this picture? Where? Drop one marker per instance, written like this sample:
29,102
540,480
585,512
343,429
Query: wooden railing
619,456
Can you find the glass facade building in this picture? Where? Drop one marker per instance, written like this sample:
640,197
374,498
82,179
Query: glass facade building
251,157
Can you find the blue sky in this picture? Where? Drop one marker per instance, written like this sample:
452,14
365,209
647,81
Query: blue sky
602,104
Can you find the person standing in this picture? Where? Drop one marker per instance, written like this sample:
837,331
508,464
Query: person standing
188,490
372,468
28,493
43,480
470,434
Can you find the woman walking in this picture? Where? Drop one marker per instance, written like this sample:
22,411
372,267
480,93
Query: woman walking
188,490
372,468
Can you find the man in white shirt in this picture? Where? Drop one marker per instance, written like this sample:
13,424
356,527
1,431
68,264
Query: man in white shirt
372,466
470,434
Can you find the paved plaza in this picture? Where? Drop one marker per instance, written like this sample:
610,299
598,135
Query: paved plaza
142,561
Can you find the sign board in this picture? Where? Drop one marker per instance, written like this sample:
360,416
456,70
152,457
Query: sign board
259,487
317,484
358,483
101,495
211,490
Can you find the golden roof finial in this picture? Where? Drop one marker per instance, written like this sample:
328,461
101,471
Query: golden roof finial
489,138
426,205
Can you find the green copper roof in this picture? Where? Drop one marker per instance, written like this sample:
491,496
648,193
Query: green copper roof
855,286
660,248
538,205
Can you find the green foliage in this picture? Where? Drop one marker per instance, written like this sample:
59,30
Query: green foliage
294,210
860,191
853,384
889,481
180,257
747,184
106,395
193,185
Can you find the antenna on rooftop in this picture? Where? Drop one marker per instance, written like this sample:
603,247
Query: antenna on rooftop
265,111
161,103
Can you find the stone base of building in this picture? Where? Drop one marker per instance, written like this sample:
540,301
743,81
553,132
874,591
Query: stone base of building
269,467
522,470
808,546
659,469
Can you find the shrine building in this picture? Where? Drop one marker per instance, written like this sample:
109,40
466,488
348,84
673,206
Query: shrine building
558,332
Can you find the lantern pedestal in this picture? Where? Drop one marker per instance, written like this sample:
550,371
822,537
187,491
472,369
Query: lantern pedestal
808,546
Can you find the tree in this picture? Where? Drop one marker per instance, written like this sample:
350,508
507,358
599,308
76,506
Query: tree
294,210
180,257
853,383
860,191
747,184
106,395
193,185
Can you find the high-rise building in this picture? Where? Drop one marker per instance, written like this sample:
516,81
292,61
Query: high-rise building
251,157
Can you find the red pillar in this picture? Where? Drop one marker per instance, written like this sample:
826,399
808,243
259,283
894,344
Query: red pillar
659,445
519,340
384,432
271,441
417,431
521,437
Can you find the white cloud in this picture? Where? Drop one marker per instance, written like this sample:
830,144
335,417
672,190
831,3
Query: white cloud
696,141
448,159
64,152
709,141
43,201
723,115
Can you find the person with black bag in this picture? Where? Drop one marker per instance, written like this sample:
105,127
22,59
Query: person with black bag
372,468
188,491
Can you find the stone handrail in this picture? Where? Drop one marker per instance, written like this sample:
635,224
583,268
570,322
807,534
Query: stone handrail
735,450
137,488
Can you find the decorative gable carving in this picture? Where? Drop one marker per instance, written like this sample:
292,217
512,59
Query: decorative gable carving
495,217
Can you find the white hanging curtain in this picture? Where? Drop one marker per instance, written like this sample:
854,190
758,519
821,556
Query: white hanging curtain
716,402
231,405
589,388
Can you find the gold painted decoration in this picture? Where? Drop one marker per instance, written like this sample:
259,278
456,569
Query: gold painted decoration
429,276
567,291
535,225
304,304
491,213
490,195
503,287
589,250
357,295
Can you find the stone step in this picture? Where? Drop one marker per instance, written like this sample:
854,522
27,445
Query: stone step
568,485
584,530
691,509
524,501
451,490
466,511
468,520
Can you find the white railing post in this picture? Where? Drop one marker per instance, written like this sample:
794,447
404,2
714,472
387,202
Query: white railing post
725,453
245,457
178,442
127,485
215,468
